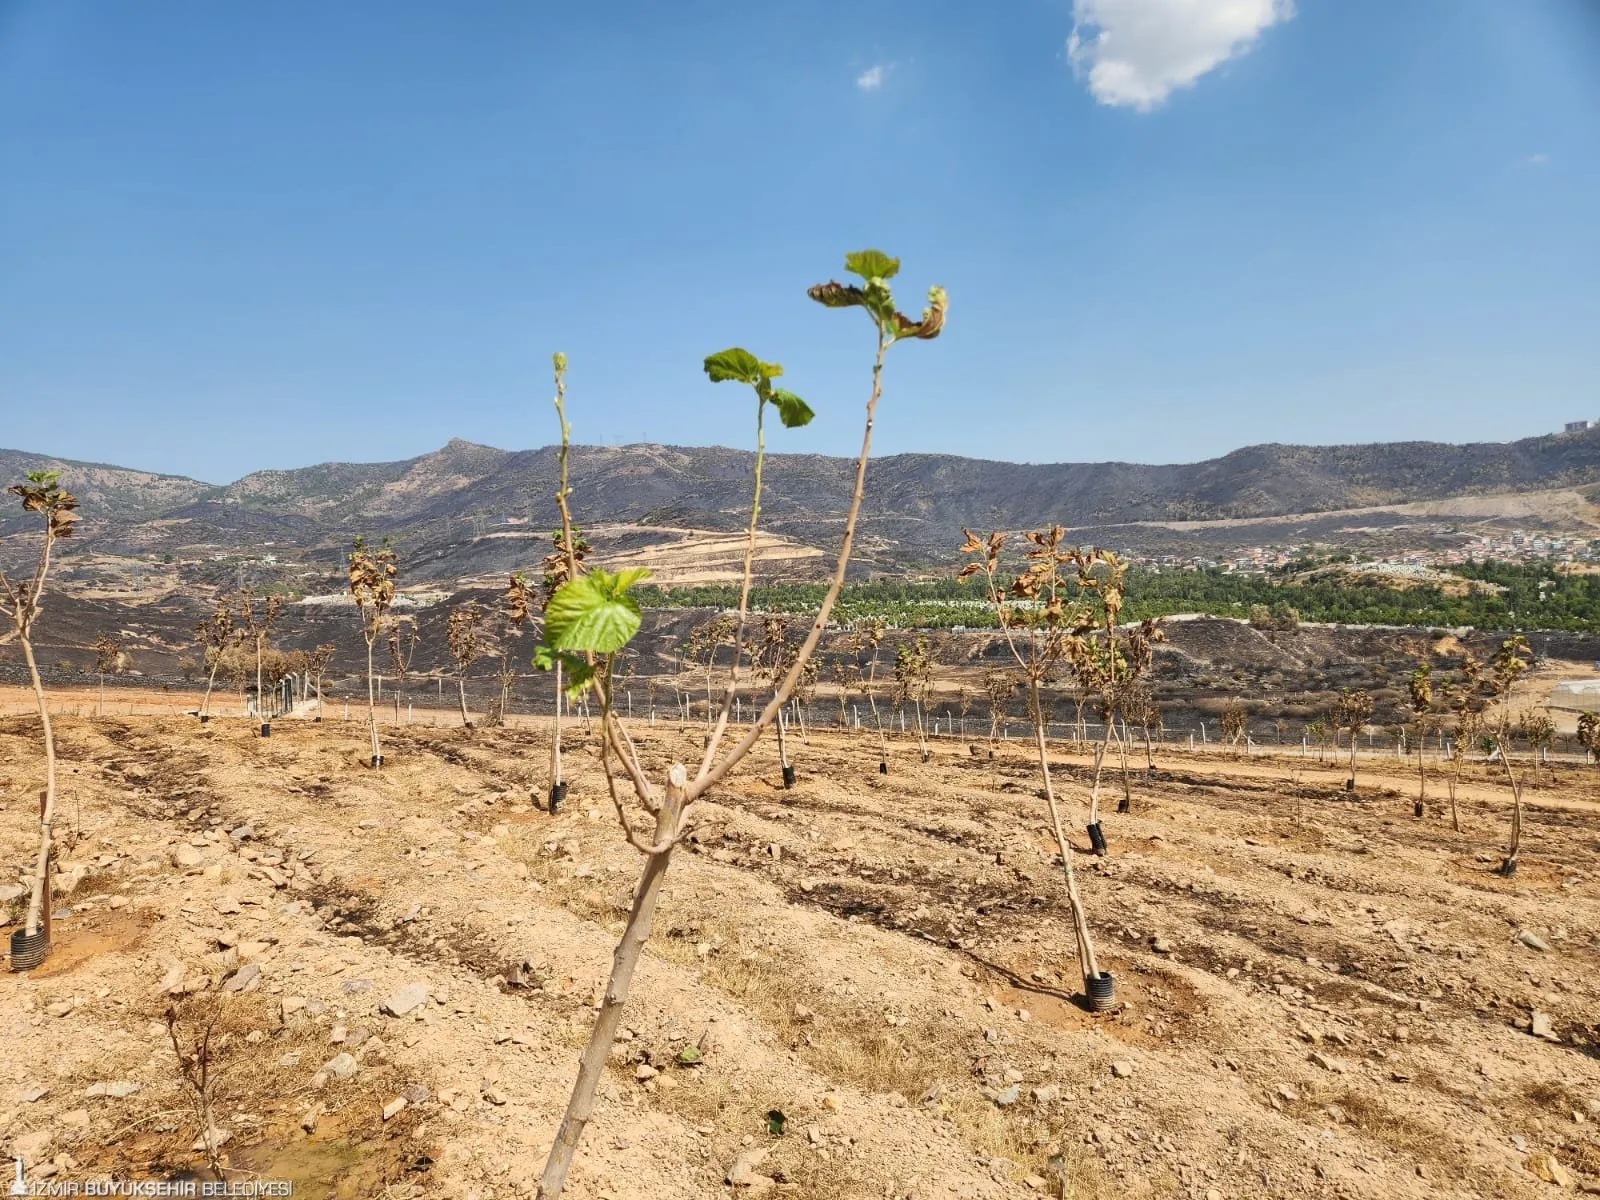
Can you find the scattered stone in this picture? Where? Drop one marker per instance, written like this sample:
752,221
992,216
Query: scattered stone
32,1095
242,979
1161,945
1328,1062
291,1005
743,1173
219,1137
351,986
119,1090
1532,940
1122,1069
644,1072
1009,1096
309,1121
1541,1027
186,857
406,999
341,1066
1046,1093
492,1094
171,982
226,905
394,1107
60,1008
1287,1093
1545,1166
243,833
416,1093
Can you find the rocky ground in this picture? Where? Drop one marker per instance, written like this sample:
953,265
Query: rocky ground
862,987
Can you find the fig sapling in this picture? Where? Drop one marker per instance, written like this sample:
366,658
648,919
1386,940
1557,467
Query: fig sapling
218,635
1042,629
373,572
465,640
20,603
593,617
109,659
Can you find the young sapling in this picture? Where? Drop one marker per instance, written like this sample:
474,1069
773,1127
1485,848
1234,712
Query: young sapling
373,572
594,616
466,630
109,659
21,602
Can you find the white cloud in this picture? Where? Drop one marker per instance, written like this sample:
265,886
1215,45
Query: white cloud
1138,52
872,78
1537,160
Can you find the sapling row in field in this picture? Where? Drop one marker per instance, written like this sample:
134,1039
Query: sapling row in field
593,617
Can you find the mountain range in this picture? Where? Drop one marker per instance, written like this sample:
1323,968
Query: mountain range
467,509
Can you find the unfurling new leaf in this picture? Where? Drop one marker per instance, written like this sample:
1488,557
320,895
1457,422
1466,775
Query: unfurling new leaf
871,264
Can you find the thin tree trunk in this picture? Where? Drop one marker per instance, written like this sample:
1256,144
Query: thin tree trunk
101,710
1422,771
1455,778
372,709
461,691
1510,864
1122,750
205,703
626,957
41,871
1094,790
555,738
783,745
1080,920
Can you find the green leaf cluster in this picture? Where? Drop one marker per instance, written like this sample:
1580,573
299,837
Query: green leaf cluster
875,268
738,365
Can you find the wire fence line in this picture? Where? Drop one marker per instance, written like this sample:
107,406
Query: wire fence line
434,706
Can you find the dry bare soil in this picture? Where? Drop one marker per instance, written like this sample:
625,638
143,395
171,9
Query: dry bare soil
1323,995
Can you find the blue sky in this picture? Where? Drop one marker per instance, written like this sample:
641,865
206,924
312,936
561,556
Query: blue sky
236,236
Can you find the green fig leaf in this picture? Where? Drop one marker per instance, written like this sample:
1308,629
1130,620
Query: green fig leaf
594,612
792,411
734,364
